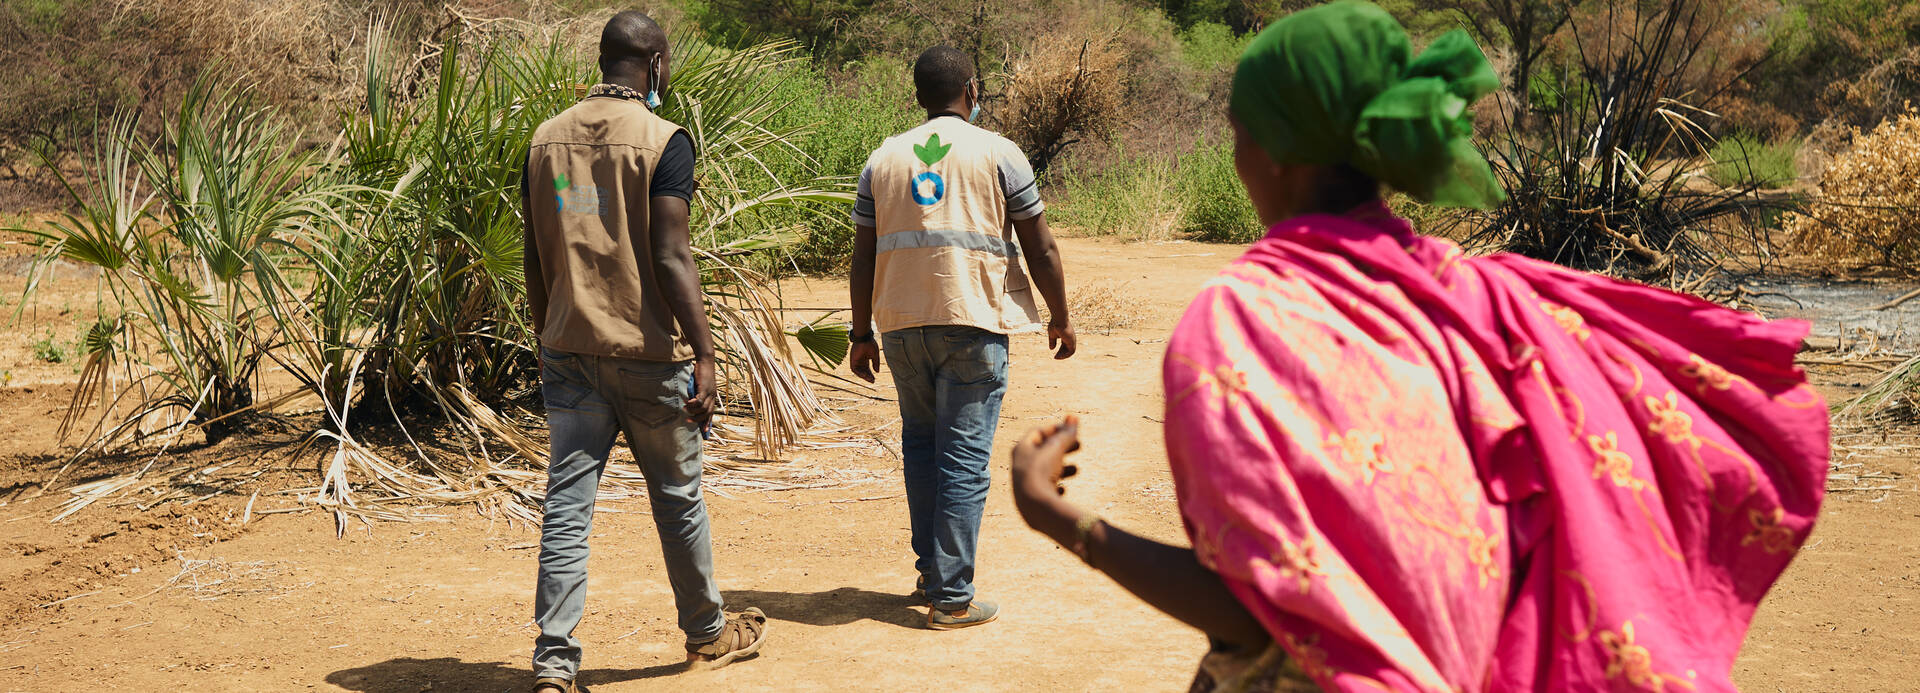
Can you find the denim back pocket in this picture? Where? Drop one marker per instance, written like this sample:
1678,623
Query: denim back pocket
894,349
977,357
655,395
563,379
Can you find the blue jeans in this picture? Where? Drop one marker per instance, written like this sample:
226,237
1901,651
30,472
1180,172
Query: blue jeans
950,381
589,399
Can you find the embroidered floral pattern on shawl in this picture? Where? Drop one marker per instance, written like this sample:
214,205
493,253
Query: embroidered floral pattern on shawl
1424,472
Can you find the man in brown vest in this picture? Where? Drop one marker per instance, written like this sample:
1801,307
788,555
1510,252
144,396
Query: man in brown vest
624,345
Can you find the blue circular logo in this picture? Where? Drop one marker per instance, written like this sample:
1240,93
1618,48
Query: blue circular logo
928,188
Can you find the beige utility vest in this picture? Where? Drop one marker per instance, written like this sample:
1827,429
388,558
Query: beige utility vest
946,253
589,172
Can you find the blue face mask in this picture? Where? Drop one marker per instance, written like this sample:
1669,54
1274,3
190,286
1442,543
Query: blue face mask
975,115
653,99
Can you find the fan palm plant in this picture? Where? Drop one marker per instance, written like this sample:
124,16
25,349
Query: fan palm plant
406,241
445,304
193,233
726,99
438,302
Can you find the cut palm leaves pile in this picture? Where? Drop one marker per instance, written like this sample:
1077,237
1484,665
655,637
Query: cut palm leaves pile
1894,396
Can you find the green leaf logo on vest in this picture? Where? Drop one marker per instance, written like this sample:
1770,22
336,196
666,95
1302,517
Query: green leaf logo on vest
928,187
586,199
933,151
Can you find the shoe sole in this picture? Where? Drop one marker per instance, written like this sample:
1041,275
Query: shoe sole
748,651
966,624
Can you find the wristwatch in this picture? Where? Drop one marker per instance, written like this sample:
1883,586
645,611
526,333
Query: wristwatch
857,338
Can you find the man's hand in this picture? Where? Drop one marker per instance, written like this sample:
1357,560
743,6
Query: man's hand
1049,278
1060,338
679,277
700,403
864,358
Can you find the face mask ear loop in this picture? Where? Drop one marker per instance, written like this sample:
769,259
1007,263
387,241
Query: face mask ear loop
653,83
975,115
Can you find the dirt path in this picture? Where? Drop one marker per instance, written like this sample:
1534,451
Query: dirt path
280,604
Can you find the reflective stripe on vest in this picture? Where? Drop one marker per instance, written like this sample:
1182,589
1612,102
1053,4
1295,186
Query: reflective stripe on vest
965,240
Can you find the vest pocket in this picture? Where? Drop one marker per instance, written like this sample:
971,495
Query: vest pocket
655,396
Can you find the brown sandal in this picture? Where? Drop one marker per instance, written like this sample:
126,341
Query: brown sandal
741,637
554,683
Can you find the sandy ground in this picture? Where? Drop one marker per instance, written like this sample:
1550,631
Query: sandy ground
119,598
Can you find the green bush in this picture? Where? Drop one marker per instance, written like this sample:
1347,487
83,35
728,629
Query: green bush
1217,208
1742,160
406,239
1208,46
841,127
817,25
1132,201
1823,53
1195,196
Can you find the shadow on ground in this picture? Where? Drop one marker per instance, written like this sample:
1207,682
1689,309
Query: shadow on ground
836,607
410,675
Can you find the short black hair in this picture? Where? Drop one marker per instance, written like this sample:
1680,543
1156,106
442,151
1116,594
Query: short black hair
629,42
941,75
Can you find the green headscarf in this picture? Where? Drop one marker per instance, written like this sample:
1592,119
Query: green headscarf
1338,84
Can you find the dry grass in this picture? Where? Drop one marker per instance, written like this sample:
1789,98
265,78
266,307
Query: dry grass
215,578
1071,84
1102,306
212,579
290,48
1864,211
503,477
1860,452
1140,201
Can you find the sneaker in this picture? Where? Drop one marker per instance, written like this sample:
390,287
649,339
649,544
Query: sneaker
978,612
920,591
740,637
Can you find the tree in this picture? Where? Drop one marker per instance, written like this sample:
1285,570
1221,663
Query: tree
817,25
1068,87
1524,26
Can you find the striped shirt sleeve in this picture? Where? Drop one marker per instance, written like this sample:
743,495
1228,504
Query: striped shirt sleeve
864,213
1016,178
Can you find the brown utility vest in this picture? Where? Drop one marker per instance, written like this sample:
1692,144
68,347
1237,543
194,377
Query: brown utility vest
589,171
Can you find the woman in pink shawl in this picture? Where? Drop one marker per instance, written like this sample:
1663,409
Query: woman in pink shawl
1405,469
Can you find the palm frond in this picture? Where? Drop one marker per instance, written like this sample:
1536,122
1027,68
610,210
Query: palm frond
825,342
1897,393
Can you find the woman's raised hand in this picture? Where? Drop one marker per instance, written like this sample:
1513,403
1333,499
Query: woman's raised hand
1039,463
1040,459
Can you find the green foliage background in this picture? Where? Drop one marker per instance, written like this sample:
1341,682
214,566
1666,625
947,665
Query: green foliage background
80,62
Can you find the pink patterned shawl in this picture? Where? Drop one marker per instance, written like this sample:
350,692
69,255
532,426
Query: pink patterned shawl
1428,472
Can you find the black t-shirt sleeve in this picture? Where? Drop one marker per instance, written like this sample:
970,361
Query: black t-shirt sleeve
526,191
673,176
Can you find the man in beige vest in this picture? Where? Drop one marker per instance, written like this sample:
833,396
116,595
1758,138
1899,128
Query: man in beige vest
936,272
624,345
